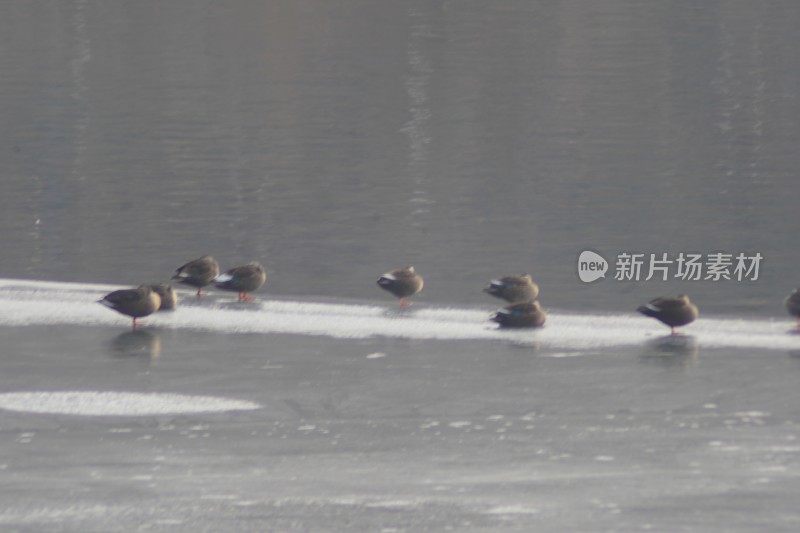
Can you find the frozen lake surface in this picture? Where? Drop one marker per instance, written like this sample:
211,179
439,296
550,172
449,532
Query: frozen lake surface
334,141
325,416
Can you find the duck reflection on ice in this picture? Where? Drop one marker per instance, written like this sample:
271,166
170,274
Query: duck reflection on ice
139,343
671,350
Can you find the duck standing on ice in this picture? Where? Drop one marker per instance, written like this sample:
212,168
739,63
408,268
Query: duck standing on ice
135,303
198,273
242,279
793,305
169,298
672,311
403,283
513,289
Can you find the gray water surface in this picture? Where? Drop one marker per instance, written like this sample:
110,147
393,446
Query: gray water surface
333,142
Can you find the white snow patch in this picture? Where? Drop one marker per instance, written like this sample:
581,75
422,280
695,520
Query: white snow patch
100,403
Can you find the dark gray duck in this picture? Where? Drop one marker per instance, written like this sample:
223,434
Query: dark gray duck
514,288
403,283
242,279
793,305
135,303
521,315
198,273
169,298
673,311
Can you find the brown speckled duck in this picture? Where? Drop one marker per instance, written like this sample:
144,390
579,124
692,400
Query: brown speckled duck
198,273
793,305
242,279
403,283
513,289
169,298
136,303
672,311
521,315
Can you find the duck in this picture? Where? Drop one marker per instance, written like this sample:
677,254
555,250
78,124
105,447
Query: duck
402,282
169,298
242,279
793,305
198,273
135,303
513,289
673,311
521,315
